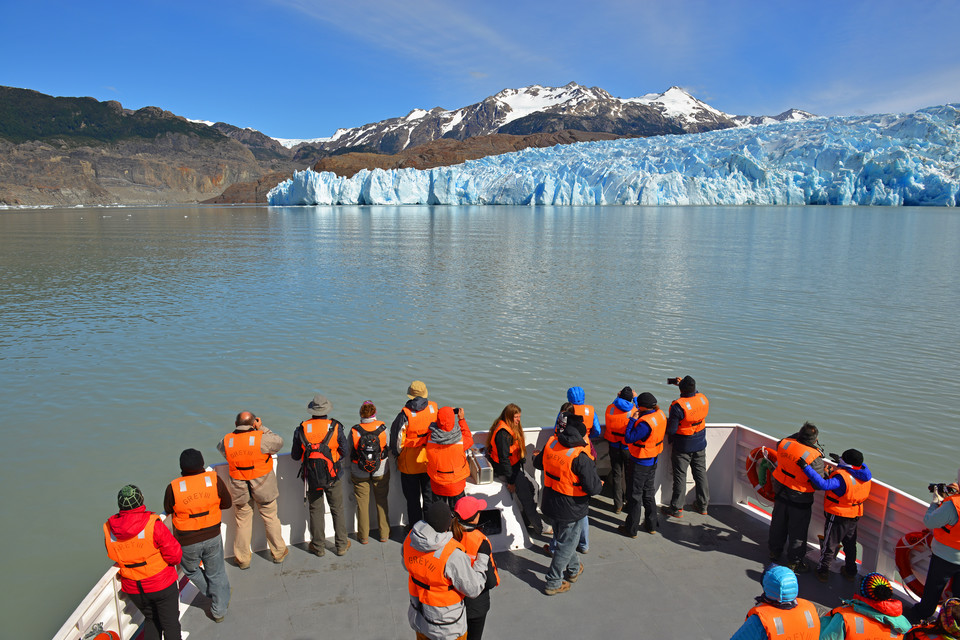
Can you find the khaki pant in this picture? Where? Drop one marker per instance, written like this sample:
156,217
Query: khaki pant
244,514
362,487
420,636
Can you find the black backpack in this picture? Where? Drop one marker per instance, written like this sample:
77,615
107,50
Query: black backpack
368,453
318,468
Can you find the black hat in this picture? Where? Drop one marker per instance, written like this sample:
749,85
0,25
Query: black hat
852,457
688,385
191,461
626,394
575,425
129,497
439,516
646,400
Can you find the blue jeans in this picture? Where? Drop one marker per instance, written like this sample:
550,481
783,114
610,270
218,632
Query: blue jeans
565,559
584,544
211,580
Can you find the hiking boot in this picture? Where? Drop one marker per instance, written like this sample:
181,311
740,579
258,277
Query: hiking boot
340,552
673,513
283,556
563,588
823,576
363,541
701,510
625,532
583,550
849,576
317,551
576,576
649,528
243,565
798,567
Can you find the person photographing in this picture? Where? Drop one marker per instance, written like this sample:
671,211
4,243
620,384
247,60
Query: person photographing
941,518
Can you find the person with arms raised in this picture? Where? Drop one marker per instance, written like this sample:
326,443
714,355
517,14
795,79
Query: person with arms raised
447,446
249,450
942,517
686,424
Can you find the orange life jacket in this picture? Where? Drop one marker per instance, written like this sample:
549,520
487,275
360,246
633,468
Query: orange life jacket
138,557
615,424
850,504
314,431
413,439
426,579
653,445
799,623
950,534
471,544
196,503
928,632
861,627
695,409
516,455
588,413
558,467
246,460
447,463
788,472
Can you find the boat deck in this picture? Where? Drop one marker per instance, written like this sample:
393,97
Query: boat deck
696,578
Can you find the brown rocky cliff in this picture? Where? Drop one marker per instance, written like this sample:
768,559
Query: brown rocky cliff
439,153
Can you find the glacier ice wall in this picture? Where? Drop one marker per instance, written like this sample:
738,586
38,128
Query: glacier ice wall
895,159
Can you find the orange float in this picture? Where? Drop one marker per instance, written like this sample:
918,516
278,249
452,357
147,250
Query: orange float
764,490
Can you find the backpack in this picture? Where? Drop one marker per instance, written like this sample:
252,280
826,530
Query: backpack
318,468
368,453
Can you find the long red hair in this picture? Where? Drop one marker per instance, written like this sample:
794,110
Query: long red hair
506,416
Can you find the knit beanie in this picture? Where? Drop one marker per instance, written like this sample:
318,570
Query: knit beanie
626,394
875,587
575,425
446,418
129,497
646,400
852,457
191,461
439,516
949,617
688,385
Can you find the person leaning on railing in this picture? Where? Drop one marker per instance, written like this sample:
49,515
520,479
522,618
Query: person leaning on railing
942,517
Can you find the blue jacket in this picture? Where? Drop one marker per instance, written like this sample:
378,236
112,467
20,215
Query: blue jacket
684,444
577,396
637,431
836,483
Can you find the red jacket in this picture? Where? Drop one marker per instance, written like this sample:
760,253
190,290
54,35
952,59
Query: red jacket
129,523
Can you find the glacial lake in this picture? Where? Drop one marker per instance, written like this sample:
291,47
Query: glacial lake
129,334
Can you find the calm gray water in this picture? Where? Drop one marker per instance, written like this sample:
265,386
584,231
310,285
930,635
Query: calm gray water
127,335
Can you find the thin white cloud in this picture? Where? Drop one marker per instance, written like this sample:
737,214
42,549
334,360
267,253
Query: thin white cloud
432,31
898,94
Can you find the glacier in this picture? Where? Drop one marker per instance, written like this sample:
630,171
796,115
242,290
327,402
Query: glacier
887,159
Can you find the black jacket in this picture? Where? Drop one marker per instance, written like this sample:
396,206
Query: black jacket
798,497
415,405
561,508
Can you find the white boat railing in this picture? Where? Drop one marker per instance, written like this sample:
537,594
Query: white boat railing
889,514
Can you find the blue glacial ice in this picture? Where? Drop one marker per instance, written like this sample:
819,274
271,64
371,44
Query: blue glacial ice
894,159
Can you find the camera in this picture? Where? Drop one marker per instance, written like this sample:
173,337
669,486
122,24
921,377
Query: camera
456,411
673,381
939,487
836,458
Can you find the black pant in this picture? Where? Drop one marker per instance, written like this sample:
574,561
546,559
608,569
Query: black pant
416,486
938,575
618,459
640,479
161,610
450,500
788,526
475,627
838,531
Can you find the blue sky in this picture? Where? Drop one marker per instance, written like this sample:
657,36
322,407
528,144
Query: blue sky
303,68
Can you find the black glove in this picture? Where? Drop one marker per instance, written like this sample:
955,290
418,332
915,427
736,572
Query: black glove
801,463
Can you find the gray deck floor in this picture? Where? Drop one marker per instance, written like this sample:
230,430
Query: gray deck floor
696,578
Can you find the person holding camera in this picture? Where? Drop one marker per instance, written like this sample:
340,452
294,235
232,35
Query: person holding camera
249,450
446,449
941,518
686,422
847,488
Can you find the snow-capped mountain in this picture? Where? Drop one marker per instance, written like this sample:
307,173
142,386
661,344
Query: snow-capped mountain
538,109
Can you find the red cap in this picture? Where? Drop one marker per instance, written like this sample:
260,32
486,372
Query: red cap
468,506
